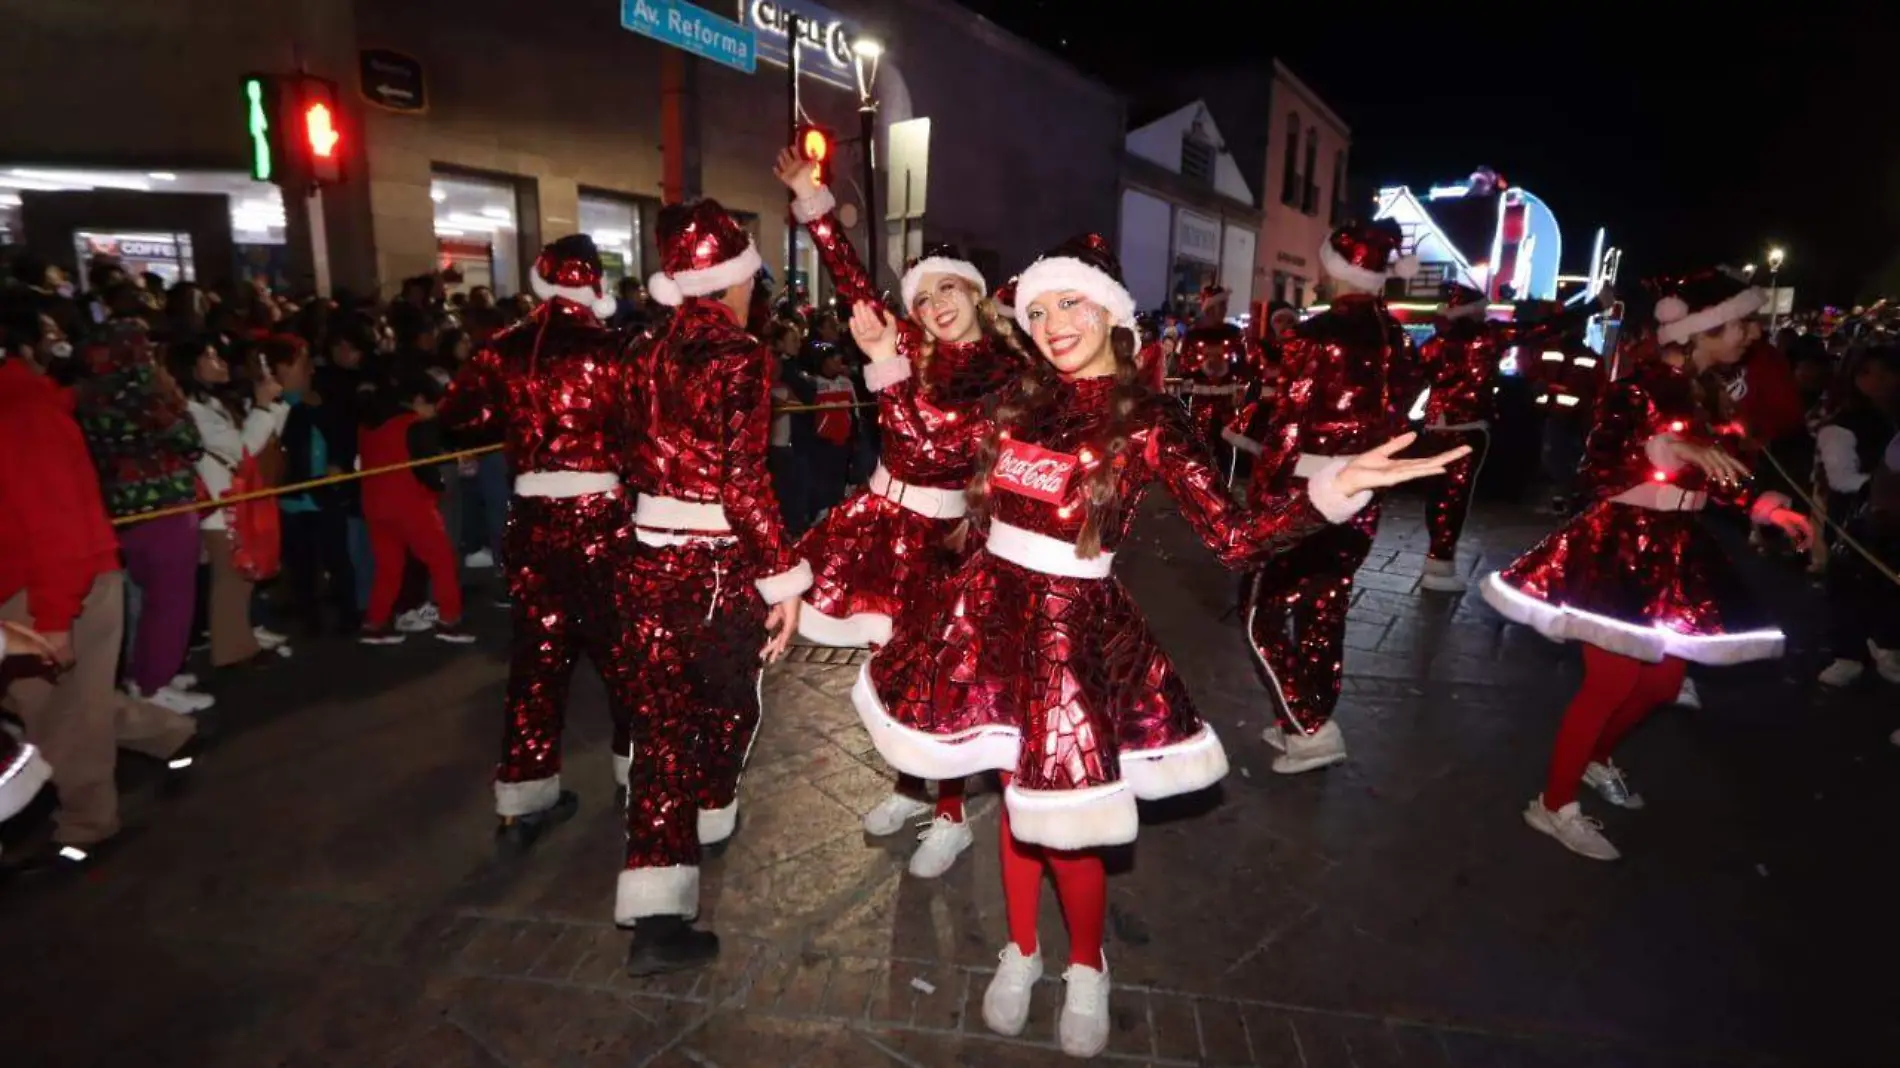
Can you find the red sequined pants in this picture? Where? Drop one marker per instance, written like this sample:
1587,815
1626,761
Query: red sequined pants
697,625
1448,499
562,560
1297,621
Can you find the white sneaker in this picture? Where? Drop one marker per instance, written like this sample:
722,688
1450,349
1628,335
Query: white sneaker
1841,673
1688,696
184,681
1607,780
1309,752
180,701
1006,1002
1886,662
1573,830
1441,576
479,560
943,840
417,620
1083,1027
267,638
1275,737
893,814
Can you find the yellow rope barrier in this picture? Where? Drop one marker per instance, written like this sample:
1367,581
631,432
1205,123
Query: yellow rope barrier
1846,538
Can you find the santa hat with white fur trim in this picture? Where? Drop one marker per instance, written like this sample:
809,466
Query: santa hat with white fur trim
703,250
939,259
1083,264
1364,255
570,269
1703,302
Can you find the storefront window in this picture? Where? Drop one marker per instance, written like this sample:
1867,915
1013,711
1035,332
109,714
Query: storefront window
614,224
257,220
476,232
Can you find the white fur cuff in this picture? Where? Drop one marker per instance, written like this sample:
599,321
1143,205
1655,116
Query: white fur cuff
852,632
1073,819
622,762
1181,768
1762,512
810,209
880,375
1323,490
717,824
526,798
670,891
786,584
939,758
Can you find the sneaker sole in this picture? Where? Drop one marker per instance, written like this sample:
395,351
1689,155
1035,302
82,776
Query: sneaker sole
1007,1031
1443,585
951,863
1287,765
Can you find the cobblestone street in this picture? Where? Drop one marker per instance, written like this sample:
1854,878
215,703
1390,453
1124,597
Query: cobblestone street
325,893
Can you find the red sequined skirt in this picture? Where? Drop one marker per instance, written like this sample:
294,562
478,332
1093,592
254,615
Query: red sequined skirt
870,557
1053,679
1646,584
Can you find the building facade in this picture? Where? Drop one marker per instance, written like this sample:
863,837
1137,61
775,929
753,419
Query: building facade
1304,179
1188,217
532,124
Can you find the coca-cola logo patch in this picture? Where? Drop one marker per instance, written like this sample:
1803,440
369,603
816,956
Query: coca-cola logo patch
1034,472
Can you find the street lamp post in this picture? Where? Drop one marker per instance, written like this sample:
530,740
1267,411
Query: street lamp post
1775,256
865,53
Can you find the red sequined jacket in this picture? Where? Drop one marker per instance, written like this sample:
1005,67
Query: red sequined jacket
702,398
1041,473
1627,455
553,386
1347,379
931,424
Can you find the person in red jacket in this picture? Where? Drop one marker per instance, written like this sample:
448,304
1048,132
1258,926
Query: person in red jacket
399,508
59,575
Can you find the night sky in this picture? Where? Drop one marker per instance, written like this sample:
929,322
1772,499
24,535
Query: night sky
1695,143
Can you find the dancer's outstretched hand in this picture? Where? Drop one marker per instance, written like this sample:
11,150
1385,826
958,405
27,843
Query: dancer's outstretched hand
798,173
1377,469
781,623
1798,528
1712,460
875,334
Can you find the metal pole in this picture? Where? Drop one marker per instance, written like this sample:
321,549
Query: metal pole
791,133
1774,298
873,226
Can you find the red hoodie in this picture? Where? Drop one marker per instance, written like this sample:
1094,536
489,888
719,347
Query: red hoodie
1768,400
54,536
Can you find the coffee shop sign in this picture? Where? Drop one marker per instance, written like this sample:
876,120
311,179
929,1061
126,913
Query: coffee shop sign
818,30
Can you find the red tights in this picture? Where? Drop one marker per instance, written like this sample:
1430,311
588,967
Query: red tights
1618,693
949,795
1081,887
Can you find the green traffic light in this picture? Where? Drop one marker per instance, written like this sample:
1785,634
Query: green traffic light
260,130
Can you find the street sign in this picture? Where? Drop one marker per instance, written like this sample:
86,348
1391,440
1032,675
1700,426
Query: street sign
392,80
825,38
694,30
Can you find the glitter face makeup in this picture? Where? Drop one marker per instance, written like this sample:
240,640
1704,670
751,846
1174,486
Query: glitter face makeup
1072,333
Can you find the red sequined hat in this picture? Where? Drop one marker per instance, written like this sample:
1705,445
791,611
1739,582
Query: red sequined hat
1083,264
939,259
1005,297
1364,255
1213,292
1701,302
569,268
703,250
1463,302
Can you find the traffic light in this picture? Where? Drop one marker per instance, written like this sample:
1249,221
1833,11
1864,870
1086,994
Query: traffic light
818,145
294,127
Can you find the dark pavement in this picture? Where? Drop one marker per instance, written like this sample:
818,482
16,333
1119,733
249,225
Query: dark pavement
323,895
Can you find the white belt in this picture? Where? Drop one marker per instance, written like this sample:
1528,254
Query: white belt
1217,391
1309,464
1482,424
927,501
1040,552
671,521
565,483
1662,497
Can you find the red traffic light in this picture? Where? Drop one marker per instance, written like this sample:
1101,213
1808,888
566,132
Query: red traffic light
815,143
319,124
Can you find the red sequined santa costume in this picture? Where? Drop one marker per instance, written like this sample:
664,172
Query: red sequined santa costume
1034,662
888,546
1347,378
1461,361
1220,369
551,387
711,556
1635,576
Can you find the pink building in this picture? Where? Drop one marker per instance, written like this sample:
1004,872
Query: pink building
1304,186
